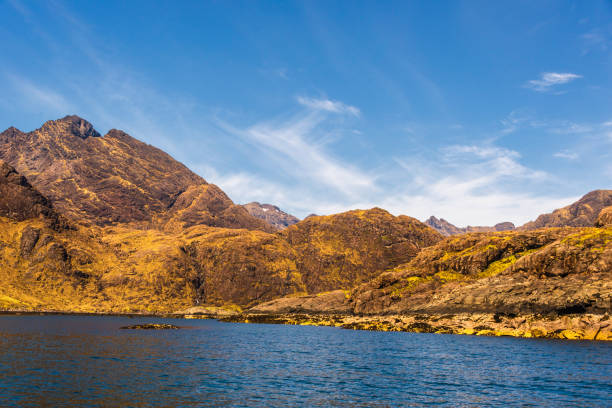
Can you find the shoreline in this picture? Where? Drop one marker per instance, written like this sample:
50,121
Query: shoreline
567,327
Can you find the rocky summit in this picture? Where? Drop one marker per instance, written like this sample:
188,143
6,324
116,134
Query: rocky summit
448,229
271,214
108,224
115,178
582,213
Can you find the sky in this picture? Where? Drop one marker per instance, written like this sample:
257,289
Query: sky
474,111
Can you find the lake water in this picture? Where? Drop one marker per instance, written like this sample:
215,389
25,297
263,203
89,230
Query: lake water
88,361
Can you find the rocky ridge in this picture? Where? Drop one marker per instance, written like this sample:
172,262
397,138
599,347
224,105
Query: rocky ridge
447,229
582,213
271,214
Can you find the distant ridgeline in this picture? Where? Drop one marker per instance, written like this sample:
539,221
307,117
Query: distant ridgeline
93,223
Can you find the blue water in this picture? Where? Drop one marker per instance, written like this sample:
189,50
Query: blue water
87,361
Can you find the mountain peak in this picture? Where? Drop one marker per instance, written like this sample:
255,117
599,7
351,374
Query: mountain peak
271,214
447,229
582,213
75,125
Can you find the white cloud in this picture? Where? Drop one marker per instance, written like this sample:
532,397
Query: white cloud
549,80
566,154
295,147
472,185
328,106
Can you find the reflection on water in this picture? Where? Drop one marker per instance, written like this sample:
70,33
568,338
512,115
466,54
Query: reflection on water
88,361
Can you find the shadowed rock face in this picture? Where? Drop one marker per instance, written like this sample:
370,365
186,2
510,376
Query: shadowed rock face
271,214
20,201
115,178
582,213
447,229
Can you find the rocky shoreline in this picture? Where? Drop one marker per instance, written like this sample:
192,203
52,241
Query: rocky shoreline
570,327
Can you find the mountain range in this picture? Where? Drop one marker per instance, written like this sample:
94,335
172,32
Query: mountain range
108,224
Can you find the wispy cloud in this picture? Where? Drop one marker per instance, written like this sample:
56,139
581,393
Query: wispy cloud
549,80
295,146
597,39
37,95
517,120
470,184
566,154
328,106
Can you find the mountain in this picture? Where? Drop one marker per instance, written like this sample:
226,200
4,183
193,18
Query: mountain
110,224
448,229
115,178
48,264
582,213
271,214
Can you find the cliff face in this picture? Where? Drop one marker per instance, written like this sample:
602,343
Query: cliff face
448,229
271,214
582,213
115,178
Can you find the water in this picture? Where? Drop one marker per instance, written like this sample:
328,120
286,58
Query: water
87,361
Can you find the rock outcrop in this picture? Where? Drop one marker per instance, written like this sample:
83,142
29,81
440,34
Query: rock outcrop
604,218
271,214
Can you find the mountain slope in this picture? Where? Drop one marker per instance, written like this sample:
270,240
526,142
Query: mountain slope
341,250
582,213
115,178
119,268
544,271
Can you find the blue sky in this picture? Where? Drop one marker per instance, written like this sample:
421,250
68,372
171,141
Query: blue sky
478,112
